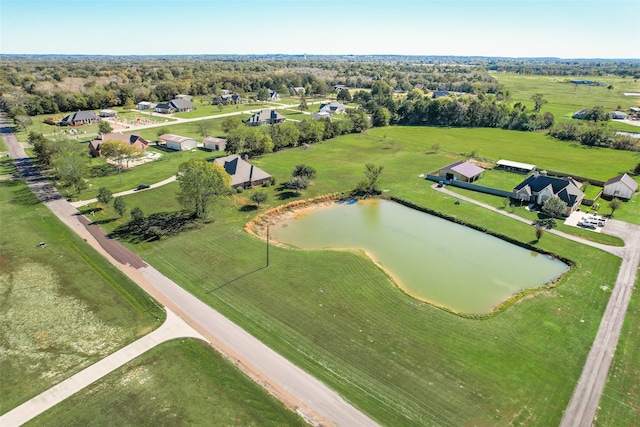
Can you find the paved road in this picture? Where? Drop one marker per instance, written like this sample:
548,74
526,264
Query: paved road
310,398
583,405
172,328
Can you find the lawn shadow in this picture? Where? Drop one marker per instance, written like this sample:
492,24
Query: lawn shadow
102,170
285,195
88,211
156,226
237,278
24,196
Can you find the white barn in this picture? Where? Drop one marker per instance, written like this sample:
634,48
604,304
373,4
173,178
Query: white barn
177,142
214,144
622,187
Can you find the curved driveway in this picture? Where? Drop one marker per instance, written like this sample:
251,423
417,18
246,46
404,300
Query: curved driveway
301,392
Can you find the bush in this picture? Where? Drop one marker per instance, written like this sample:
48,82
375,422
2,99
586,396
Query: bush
239,190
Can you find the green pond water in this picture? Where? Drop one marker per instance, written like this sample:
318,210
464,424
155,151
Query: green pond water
430,258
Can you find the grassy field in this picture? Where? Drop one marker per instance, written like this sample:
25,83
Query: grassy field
180,383
344,323
620,402
64,306
210,110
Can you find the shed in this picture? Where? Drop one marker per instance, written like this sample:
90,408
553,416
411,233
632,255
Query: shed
146,105
461,171
214,144
177,142
515,166
622,187
108,113
618,115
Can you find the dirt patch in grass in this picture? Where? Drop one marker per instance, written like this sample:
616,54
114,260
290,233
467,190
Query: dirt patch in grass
44,332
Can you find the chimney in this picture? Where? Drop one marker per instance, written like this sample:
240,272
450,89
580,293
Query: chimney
251,176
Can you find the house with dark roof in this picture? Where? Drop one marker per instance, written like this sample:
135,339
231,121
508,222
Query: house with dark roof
440,93
175,106
146,105
296,90
131,139
338,88
579,114
243,174
273,95
461,171
80,118
618,115
225,99
265,117
539,187
622,187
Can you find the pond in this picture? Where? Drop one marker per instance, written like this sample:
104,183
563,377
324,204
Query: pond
430,258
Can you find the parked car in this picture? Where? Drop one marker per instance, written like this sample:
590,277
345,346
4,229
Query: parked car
142,187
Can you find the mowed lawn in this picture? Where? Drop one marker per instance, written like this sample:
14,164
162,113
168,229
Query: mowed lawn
339,317
64,307
180,383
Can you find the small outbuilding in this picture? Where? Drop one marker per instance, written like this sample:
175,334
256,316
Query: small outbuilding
517,167
214,144
177,142
622,187
461,171
146,105
618,115
108,113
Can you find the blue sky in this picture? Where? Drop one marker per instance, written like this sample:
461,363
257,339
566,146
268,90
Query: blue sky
514,28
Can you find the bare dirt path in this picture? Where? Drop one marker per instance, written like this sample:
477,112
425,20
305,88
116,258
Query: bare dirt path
310,398
583,405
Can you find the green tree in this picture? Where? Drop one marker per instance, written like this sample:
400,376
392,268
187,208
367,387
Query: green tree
547,223
310,131
303,104
381,117
104,127
204,128
298,183
231,123
539,231
263,94
614,204
162,130
259,197
104,195
23,121
120,152
554,206
137,217
538,100
372,174
42,147
120,206
636,170
344,95
199,182
359,119
284,135
70,165
304,170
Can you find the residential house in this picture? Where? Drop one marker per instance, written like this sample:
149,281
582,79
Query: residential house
517,167
579,114
321,115
618,115
146,105
227,99
214,144
265,117
440,93
178,143
461,171
132,139
175,106
108,113
273,95
332,107
539,187
80,118
622,187
185,97
243,174
338,88
297,90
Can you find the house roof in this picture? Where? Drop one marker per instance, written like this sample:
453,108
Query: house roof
174,138
214,139
80,116
511,164
464,168
264,116
128,138
625,179
241,171
179,103
164,105
567,189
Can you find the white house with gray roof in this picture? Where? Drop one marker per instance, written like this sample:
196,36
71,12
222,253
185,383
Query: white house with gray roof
243,174
177,142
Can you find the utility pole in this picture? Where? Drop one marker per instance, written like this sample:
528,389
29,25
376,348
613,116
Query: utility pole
268,244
